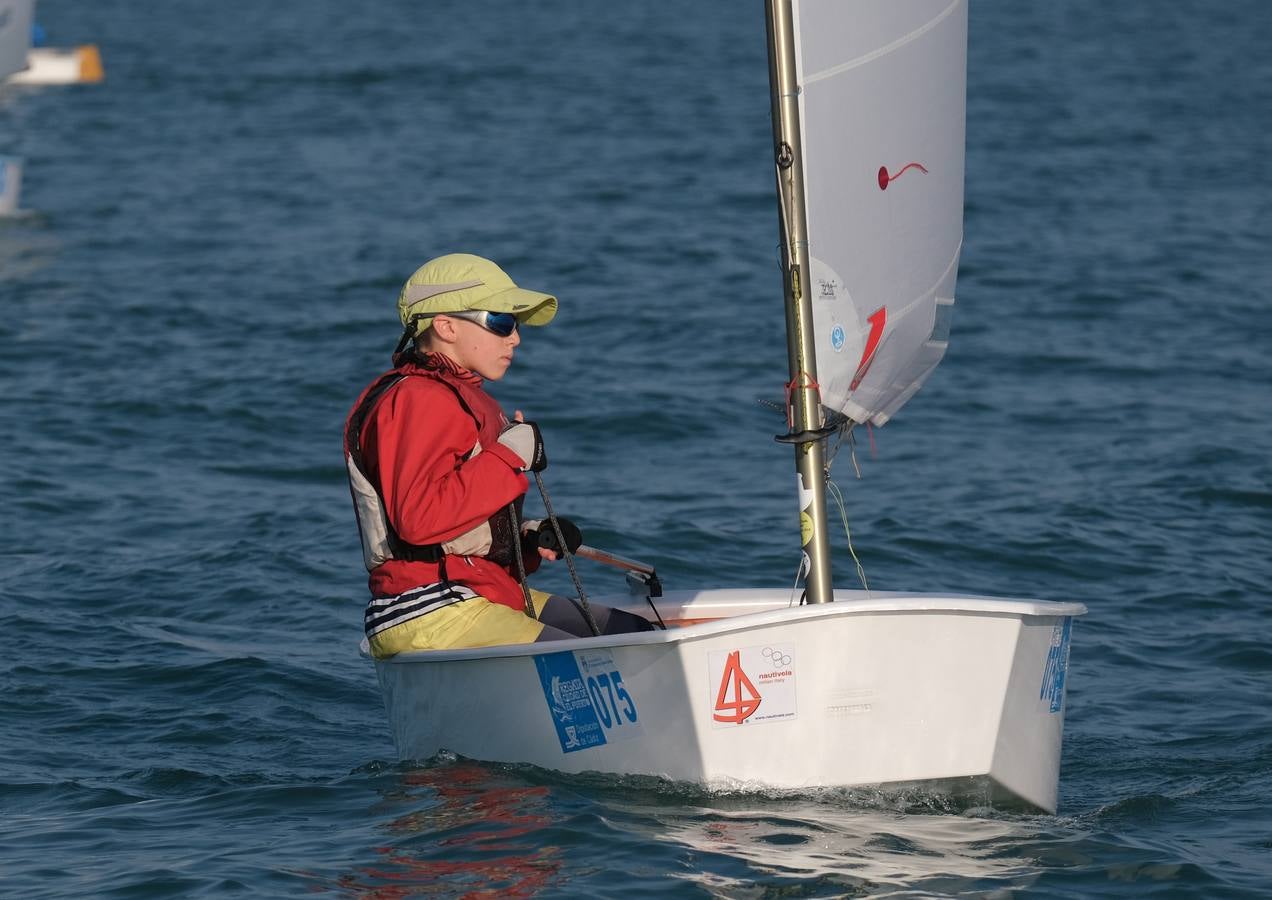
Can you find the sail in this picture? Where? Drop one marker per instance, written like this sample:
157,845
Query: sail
882,107
15,35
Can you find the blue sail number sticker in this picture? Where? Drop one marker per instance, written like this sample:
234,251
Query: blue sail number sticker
1052,690
589,704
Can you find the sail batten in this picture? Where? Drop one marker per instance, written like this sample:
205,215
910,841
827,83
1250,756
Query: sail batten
882,51
882,107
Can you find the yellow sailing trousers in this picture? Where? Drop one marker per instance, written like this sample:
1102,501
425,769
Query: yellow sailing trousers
475,622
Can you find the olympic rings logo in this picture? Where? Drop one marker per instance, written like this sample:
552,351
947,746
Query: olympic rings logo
779,659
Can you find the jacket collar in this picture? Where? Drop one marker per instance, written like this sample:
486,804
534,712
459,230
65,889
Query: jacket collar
412,363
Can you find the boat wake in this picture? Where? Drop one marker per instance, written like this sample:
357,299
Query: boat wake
973,797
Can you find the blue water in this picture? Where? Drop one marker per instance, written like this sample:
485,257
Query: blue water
207,276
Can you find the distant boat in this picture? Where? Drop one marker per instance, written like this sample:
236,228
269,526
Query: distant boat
747,689
21,63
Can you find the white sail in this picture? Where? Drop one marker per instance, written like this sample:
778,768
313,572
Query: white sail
15,35
882,107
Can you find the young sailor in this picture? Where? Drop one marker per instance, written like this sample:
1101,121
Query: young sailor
437,473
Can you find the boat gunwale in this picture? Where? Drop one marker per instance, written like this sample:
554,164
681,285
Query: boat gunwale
879,603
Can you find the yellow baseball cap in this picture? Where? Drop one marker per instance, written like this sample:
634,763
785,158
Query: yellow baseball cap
460,281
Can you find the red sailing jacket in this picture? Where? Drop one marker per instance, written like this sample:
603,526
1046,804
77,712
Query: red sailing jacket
415,446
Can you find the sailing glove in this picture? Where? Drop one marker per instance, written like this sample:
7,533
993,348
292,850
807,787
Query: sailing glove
524,439
544,535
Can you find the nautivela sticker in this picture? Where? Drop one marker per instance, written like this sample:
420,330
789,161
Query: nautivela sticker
751,685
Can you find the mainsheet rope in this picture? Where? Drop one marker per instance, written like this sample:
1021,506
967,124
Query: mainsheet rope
569,557
564,551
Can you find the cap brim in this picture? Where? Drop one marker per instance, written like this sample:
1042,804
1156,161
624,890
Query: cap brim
530,307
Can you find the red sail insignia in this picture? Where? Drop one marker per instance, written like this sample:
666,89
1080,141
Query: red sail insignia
885,179
878,319
746,699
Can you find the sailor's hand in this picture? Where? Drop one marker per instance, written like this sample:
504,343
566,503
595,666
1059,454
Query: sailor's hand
524,439
545,537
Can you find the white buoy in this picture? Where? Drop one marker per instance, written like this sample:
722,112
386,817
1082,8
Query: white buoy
10,185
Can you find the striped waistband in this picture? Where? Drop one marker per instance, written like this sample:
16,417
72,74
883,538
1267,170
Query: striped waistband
385,612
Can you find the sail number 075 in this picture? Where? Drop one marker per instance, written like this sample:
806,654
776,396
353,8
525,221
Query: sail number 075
607,693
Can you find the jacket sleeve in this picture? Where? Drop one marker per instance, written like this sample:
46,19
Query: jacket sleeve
416,444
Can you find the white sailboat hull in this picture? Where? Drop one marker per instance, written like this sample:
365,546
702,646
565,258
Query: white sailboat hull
58,65
961,693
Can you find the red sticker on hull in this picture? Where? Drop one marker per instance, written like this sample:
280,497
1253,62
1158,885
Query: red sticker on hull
746,699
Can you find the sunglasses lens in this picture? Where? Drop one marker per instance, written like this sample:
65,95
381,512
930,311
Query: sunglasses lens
502,324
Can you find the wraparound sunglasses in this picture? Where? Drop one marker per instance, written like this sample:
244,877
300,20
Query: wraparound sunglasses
502,324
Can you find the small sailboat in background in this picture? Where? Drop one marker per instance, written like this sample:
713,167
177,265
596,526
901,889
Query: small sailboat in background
743,689
21,63
24,59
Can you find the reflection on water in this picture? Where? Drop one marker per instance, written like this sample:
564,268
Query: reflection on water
25,250
464,829
858,850
461,833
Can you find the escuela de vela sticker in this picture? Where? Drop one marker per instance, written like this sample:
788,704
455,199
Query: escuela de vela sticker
1057,666
589,703
752,685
